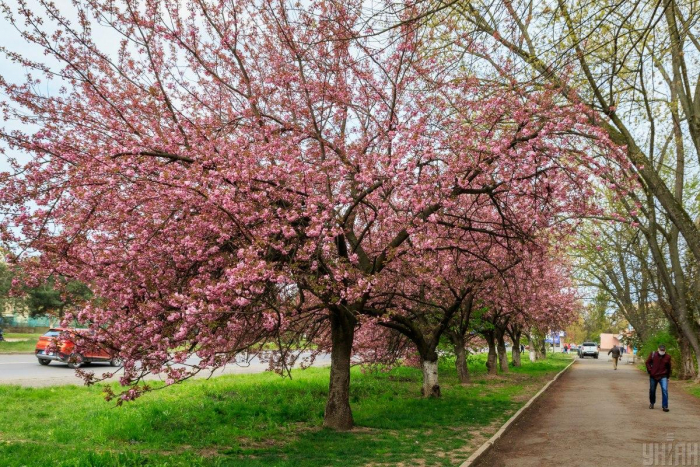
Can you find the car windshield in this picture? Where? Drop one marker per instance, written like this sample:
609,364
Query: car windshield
52,333
589,343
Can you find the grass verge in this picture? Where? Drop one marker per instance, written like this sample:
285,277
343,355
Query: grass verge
693,389
14,347
26,345
263,420
690,387
23,335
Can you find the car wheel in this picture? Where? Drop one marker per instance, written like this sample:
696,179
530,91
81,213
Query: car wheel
116,362
44,361
75,361
596,357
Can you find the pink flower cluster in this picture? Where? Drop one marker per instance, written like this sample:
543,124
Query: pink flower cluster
237,173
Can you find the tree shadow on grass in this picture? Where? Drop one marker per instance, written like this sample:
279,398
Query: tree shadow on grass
258,420
391,428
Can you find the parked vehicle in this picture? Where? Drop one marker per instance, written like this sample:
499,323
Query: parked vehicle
588,349
2,337
65,351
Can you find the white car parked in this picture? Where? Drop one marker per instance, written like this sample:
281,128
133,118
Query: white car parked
588,349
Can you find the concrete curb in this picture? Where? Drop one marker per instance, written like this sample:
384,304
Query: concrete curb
488,444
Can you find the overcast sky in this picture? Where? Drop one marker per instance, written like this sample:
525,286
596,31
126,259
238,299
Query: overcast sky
11,39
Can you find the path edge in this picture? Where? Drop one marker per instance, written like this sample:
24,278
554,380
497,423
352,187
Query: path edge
476,455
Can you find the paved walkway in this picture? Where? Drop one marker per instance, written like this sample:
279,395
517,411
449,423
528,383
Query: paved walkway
595,416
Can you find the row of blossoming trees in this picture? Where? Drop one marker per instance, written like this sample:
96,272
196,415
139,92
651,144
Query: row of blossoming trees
226,174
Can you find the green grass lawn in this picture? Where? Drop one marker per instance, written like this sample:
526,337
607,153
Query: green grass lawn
691,387
23,335
264,420
27,345
694,389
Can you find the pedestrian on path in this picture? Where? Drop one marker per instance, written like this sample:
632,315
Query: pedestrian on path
659,369
615,351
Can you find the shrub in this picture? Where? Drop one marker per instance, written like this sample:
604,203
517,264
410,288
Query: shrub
662,337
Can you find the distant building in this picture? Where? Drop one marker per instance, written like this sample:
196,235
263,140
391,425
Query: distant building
11,310
608,341
6,311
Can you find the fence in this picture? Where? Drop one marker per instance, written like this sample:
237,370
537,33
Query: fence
26,324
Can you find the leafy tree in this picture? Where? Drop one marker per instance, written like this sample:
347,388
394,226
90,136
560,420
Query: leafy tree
6,301
633,63
241,171
55,299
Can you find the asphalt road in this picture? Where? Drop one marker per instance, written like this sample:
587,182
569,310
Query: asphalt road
24,370
596,416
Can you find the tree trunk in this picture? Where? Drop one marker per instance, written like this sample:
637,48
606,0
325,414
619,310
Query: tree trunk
431,388
502,352
491,363
531,343
676,291
542,354
690,340
686,369
516,350
461,364
338,414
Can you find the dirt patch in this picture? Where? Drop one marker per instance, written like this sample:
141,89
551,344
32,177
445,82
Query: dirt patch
528,391
413,462
494,378
473,441
208,452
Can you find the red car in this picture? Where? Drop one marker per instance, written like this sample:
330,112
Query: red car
65,349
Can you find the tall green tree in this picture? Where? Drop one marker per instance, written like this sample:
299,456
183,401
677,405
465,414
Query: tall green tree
635,63
55,296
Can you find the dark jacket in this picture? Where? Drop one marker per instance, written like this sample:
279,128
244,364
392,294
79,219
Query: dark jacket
615,352
659,366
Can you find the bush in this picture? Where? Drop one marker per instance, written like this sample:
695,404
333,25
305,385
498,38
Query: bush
665,338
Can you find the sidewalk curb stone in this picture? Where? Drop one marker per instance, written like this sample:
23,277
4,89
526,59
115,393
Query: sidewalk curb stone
476,455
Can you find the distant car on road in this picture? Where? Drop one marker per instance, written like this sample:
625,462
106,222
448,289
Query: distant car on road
588,349
65,351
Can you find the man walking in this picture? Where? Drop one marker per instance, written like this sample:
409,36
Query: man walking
659,369
615,351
